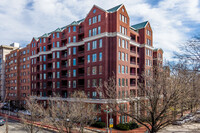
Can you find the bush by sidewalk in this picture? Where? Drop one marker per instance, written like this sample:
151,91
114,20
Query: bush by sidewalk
99,124
127,126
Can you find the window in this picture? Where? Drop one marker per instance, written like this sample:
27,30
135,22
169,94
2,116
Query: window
44,76
94,31
119,68
40,40
99,29
58,44
69,29
123,82
100,69
94,94
123,43
58,84
123,69
119,42
94,82
148,42
58,74
69,51
53,44
94,44
94,57
74,50
126,69
69,39
74,73
100,56
126,44
74,38
57,35
119,82
94,11
53,35
94,19
69,84
88,71
88,59
100,43
89,33
74,62
99,18
44,67
69,72
58,64
89,21
58,54
44,48
88,46
126,82
88,83
123,56
126,57
53,55
74,83
74,28
94,70
44,57
119,55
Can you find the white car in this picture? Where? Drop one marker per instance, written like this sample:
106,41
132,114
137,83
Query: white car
24,112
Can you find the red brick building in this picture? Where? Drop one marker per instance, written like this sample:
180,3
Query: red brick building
18,76
83,54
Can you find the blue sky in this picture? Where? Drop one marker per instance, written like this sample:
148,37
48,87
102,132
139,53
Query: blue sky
173,21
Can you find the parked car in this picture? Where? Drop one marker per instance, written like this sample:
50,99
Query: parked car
198,112
24,112
2,121
178,122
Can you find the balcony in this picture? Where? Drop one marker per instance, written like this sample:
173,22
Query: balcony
132,62
64,64
81,83
81,60
64,74
81,49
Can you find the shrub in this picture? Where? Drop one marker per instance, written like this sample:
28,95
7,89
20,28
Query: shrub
127,126
99,124
133,125
123,126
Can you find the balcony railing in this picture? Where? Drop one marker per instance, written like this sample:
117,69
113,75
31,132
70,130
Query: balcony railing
132,62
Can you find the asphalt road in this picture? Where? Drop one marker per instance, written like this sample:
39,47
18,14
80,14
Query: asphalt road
16,127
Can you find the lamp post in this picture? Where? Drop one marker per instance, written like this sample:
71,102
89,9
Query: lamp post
110,120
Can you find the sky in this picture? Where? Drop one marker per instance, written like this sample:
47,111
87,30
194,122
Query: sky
173,21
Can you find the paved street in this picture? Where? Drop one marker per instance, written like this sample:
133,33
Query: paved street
185,128
16,127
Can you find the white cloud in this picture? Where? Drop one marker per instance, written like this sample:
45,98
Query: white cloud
170,19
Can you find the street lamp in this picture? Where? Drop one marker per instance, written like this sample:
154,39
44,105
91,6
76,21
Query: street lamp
110,120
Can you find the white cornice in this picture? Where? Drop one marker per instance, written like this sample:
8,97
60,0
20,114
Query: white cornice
105,34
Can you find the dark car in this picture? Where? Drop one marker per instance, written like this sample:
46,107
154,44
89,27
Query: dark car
2,121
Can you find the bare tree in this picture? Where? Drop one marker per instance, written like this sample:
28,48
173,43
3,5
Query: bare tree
189,53
67,114
158,95
34,113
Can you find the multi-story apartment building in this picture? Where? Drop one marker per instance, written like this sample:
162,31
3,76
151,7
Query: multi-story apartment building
4,49
18,76
83,54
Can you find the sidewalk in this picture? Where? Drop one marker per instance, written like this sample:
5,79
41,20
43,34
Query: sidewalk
88,129
137,130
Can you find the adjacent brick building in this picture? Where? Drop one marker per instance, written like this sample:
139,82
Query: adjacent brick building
87,52
4,49
18,76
